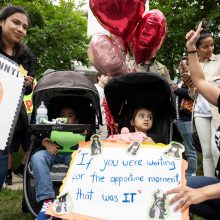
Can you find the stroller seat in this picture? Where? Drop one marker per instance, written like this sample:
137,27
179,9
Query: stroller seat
58,172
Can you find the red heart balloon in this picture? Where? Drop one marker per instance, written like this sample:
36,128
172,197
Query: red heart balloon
119,17
149,36
106,56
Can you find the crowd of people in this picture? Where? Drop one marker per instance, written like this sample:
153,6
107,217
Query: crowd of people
198,105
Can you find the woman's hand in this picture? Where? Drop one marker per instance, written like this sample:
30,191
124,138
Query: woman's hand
185,196
192,37
28,80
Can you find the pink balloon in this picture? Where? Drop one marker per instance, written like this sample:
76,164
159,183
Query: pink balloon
119,17
149,35
106,56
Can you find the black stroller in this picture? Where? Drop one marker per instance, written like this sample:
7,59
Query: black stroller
54,88
125,93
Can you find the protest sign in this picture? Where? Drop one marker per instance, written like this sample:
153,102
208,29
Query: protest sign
11,84
122,181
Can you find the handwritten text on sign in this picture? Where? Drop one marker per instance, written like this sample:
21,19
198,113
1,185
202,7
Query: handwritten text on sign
116,183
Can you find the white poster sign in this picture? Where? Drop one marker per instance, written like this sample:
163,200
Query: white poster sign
121,182
11,84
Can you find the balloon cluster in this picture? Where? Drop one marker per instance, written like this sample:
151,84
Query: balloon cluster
130,27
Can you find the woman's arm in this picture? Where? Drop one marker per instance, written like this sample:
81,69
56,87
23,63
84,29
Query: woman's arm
209,91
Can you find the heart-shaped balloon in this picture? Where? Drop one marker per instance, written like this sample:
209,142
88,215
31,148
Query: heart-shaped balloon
149,36
106,56
119,17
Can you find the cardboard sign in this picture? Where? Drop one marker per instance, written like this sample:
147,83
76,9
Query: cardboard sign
11,84
121,181
28,100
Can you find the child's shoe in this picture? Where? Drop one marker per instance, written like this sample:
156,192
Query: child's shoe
42,214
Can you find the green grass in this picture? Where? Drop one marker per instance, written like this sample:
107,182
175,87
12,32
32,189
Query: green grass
10,207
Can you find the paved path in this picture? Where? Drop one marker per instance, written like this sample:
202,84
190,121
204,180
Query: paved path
17,183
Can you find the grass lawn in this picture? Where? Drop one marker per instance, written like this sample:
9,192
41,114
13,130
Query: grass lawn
10,200
10,207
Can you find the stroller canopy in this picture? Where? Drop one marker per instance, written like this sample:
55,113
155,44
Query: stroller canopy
59,85
138,89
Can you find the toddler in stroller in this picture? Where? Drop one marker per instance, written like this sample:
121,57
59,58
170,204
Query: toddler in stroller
125,94
44,159
69,94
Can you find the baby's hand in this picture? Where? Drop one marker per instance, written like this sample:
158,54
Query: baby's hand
51,147
28,80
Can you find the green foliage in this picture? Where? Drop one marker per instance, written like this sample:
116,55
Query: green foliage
57,34
182,16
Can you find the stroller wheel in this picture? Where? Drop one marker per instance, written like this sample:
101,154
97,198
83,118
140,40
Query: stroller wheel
24,207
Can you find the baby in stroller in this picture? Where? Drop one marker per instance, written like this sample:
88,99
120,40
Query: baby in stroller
67,94
44,159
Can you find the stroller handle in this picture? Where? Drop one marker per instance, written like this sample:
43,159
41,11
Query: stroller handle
61,127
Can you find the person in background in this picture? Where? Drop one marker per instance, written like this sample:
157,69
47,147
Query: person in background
14,23
102,81
205,115
184,115
156,67
202,193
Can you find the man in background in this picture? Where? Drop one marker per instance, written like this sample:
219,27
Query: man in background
102,81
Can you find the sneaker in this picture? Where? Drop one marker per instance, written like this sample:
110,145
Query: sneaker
19,172
8,180
42,214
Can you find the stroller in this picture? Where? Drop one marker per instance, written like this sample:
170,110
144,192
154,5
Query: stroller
125,93
55,88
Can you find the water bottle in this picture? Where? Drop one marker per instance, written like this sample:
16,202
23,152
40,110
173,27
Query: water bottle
41,113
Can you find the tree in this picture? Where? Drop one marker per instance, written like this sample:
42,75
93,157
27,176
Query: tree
57,35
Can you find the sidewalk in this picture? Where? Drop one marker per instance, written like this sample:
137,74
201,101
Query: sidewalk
17,183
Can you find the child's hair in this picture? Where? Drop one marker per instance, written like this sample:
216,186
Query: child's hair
58,104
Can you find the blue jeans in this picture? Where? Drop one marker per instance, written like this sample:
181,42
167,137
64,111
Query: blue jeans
41,163
209,209
3,169
184,127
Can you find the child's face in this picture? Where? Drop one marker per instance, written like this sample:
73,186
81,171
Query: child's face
143,120
69,114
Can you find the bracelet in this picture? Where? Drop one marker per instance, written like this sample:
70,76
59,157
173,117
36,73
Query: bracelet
192,51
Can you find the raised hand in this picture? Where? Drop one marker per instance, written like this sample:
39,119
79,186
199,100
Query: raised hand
192,36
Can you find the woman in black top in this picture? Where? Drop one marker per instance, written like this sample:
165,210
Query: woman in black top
14,22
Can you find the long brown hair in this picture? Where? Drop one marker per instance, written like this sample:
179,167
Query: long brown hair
4,14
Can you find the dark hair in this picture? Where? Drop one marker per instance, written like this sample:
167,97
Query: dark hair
204,33
4,14
99,74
